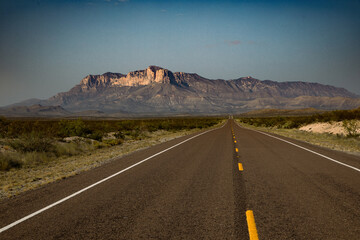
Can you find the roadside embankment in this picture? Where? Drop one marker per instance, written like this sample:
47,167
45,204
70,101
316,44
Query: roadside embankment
324,139
45,152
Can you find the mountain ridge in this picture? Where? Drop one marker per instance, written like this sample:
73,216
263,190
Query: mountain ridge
159,90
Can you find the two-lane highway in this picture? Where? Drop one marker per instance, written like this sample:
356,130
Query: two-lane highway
297,194
186,192
194,188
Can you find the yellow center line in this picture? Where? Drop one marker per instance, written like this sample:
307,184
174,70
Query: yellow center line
240,167
251,225
234,141
236,149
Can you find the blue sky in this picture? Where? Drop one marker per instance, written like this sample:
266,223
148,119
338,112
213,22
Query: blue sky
48,46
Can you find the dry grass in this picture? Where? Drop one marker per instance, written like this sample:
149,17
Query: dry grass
20,180
331,141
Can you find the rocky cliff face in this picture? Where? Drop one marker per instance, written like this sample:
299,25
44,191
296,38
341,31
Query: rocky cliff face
152,74
158,90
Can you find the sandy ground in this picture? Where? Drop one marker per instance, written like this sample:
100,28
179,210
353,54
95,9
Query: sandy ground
333,128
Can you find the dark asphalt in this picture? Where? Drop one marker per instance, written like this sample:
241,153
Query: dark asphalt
296,194
195,191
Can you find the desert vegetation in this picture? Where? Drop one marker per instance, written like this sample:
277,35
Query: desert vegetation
291,122
27,143
348,139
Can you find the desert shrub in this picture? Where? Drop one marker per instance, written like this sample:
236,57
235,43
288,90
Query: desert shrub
32,142
297,121
96,135
68,149
30,159
126,125
119,135
36,141
290,124
98,145
83,128
4,123
351,127
113,142
17,128
73,128
135,134
76,147
8,161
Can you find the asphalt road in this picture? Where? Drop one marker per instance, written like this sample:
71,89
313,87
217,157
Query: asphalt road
195,190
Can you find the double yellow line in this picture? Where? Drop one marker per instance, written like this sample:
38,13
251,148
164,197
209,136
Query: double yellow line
236,150
249,213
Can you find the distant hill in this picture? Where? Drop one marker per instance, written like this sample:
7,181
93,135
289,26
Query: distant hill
36,110
156,90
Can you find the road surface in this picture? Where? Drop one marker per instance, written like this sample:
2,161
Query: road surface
200,187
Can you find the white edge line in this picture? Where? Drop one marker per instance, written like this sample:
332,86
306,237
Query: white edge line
319,154
97,183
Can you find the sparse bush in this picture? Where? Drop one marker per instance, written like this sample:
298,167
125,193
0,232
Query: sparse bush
98,145
113,142
3,126
135,134
119,135
32,142
96,135
73,128
351,127
68,149
30,159
8,161
290,124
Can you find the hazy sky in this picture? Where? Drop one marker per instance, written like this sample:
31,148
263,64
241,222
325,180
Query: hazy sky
48,46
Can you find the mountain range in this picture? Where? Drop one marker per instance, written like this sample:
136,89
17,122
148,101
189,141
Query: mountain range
158,91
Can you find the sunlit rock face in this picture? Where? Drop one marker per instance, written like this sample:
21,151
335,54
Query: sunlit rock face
152,74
